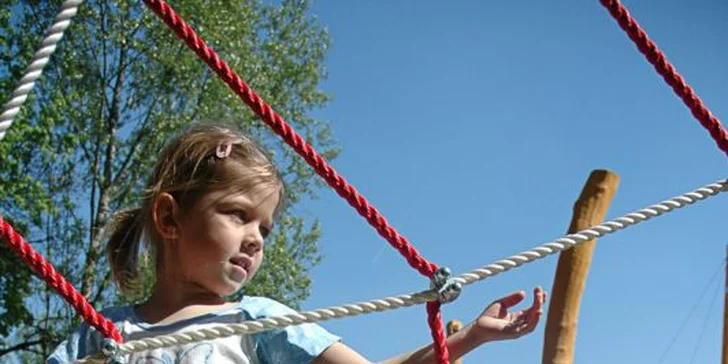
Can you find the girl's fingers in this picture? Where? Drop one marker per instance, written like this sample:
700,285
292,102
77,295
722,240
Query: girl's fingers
524,321
512,299
529,322
539,296
524,325
536,298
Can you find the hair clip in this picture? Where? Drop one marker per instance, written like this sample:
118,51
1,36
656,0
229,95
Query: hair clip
223,150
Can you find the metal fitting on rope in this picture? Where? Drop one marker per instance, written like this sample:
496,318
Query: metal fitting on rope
446,287
110,349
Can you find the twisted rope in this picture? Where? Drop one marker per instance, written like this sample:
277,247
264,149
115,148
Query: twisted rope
23,249
644,44
56,281
39,60
319,164
668,72
434,320
284,130
594,232
406,300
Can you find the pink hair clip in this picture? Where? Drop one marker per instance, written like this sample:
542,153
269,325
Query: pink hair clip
223,150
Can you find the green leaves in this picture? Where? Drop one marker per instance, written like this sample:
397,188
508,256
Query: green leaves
15,286
118,87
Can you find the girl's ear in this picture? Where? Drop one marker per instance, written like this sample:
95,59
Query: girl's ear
165,213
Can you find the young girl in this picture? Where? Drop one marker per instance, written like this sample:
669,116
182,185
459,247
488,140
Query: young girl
212,199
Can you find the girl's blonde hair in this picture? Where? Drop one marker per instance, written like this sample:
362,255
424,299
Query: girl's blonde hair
204,159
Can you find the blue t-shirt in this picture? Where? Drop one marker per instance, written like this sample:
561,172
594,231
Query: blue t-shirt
292,344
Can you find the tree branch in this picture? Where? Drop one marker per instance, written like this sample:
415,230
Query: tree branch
102,211
22,346
101,288
135,143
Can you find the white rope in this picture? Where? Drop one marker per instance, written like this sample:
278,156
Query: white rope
259,325
406,300
594,232
39,60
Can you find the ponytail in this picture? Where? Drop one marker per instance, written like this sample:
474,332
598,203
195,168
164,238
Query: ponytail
123,248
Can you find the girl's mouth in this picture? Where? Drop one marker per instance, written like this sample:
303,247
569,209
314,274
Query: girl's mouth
241,266
242,262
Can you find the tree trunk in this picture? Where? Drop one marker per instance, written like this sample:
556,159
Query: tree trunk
104,209
573,267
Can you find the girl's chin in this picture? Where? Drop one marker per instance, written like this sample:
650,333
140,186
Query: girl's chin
231,288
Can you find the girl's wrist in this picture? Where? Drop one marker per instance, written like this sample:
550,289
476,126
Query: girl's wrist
464,341
479,334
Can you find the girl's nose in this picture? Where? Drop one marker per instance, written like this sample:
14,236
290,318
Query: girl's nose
253,240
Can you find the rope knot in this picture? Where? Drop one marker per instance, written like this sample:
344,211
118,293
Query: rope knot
447,288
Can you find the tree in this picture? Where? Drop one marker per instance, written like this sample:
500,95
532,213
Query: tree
119,85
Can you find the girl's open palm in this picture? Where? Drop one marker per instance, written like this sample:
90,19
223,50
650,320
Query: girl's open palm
497,323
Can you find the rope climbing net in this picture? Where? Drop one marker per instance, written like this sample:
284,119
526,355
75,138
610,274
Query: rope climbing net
444,288
406,300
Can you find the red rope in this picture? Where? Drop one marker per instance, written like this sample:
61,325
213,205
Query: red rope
668,72
438,334
46,271
323,169
281,127
54,279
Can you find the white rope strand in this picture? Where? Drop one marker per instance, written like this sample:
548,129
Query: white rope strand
250,327
591,233
39,60
390,303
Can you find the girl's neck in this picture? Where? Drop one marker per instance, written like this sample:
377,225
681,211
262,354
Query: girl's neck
175,301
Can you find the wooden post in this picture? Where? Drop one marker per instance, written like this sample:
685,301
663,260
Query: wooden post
724,359
453,327
571,272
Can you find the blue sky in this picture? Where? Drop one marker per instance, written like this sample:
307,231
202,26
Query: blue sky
473,126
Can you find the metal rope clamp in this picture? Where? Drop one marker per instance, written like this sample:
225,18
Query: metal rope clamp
110,349
447,288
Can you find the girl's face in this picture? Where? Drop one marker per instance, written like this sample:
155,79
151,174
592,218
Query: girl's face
220,242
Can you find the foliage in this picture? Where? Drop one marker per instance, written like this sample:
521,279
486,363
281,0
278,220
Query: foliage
119,85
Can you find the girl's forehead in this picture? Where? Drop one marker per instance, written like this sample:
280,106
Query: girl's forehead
261,194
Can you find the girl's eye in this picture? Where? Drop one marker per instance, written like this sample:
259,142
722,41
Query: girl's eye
242,217
240,214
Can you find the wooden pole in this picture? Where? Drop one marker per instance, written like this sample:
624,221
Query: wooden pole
724,359
573,267
453,327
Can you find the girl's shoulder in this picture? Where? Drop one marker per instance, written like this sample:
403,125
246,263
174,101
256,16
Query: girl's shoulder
291,344
86,339
256,307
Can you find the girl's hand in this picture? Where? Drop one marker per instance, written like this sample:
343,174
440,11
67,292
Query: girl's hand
496,323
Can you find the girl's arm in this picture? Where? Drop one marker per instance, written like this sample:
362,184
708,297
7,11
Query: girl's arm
494,324
458,345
